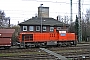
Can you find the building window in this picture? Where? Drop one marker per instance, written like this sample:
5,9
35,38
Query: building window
58,28
24,28
31,28
51,28
37,28
44,28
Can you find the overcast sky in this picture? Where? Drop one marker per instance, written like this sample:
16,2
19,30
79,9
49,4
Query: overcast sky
20,10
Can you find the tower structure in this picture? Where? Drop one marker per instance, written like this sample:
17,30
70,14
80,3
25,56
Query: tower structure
79,22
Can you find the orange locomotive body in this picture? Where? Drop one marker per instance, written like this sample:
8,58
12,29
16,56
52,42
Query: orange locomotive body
29,39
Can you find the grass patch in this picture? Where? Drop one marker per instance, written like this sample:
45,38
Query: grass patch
7,54
69,59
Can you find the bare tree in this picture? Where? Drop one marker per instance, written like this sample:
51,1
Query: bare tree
4,21
87,15
86,26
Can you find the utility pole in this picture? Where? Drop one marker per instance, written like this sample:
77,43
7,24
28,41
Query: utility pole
41,17
80,22
70,15
71,11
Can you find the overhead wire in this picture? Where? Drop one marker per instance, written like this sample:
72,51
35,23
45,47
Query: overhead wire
54,2
44,1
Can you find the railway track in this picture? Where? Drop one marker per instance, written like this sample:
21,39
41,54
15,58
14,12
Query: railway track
14,50
31,57
72,53
25,54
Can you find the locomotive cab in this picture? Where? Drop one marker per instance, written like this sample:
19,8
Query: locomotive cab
66,38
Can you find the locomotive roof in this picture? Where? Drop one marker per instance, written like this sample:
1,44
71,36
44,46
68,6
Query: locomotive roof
45,21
